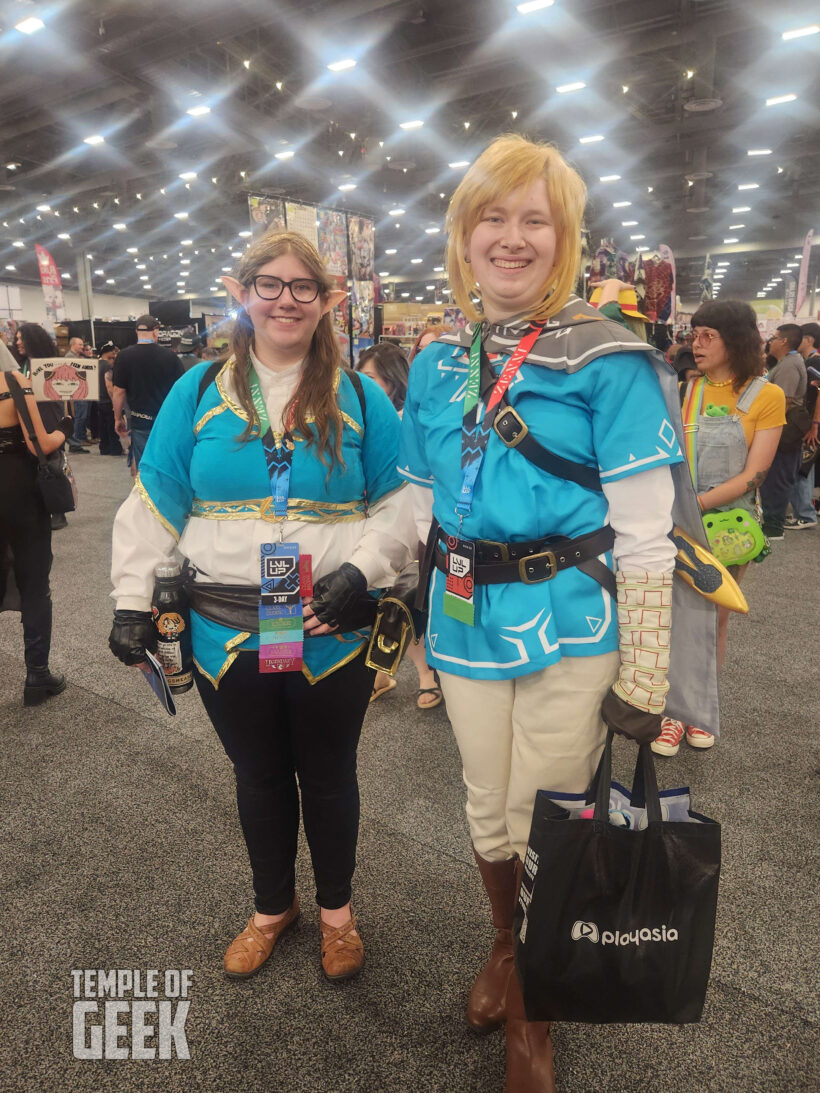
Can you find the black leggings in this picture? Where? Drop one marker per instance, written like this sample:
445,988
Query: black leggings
25,527
278,731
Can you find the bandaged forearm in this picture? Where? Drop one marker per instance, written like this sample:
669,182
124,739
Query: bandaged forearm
644,626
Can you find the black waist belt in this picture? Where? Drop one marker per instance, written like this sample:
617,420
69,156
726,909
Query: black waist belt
13,447
540,559
232,605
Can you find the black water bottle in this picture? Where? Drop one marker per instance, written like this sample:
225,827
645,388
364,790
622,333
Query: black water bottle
172,620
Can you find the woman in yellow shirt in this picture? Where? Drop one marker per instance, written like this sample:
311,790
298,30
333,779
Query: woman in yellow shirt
732,421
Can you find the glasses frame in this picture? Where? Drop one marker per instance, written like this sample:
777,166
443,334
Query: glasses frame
287,285
706,336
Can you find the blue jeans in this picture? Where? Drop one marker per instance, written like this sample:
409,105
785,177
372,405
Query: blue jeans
80,422
138,441
801,495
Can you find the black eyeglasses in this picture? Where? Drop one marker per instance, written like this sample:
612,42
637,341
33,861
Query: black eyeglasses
304,290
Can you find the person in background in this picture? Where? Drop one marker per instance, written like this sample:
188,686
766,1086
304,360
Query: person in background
804,514
144,374
387,365
81,408
789,373
734,444
109,440
25,526
426,337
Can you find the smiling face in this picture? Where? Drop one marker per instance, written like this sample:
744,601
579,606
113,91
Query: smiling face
512,252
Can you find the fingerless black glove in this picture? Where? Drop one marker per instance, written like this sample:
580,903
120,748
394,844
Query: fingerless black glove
132,633
629,721
66,427
340,599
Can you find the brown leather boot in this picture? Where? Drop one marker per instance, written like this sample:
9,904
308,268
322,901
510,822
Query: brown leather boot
485,1007
529,1045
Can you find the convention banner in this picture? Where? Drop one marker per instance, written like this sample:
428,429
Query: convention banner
69,379
666,255
333,240
804,272
52,286
789,297
362,311
302,219
265,212
361,232
706,279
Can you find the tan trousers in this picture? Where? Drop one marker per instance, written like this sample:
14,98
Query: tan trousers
516,736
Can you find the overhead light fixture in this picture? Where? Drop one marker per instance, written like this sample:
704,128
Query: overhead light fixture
342,66
18,243
533,5
621,204
236,254
44,208
95,138
759,152
565,87
610,178
624,88
749,186
141,265
66,276
119,227
245,234
288,153
689,73
384,273
11,267
390,250
416,124
777,100
181,216
405,294
633,237
143,276
742,209
12,166
801,32
432,231
188,176
198,111
458,164
792,265
346,187
63,235
438,269
110,281
396,212
736,227
629,223
650,189
30,25
731,239
641,249
594,139
416,261
184,262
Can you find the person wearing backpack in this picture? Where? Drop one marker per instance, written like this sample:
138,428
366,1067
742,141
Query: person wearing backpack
278,450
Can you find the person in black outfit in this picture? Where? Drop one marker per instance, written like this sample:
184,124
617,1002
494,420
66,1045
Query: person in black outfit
25,528
109,441
144,374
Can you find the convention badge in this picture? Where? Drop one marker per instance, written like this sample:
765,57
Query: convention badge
459,580
306,576
281,631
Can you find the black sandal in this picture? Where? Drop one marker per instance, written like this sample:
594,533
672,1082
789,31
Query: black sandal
430,691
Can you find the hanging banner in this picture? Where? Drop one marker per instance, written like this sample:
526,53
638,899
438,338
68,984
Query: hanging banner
804,272
333,240
707,279
265,213
362,247
789,297
303,219
667,256
52,287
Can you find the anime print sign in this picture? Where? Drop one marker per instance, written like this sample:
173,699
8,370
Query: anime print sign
65,379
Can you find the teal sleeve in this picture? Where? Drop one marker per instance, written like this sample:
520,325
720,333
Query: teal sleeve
413,462
380,445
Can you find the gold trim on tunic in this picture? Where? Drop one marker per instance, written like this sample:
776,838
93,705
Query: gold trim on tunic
311,678
203,421
298,509
237,409
152,508
233,653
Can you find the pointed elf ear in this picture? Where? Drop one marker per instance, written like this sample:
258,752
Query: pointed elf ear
236,289
333,299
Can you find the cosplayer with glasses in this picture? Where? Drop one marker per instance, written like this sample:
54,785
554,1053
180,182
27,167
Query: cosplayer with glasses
732,421
257,470
545,438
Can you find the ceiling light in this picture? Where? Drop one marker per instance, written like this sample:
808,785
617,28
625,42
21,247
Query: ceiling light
30,25
637,237
591,140
110,281
346,187
43,208
624,87
66,276
438,269
185,261
12,166
11,267
430,288
788,35
610,178
390,250
236,254
18,243
63,235
384,273
640,249
287,154
780,170
621,204
245,234
749,186
410,124
342,66
778,99
459,163
180,292
792,265
143,276
94,139
141,265
650,189
736,227
731,239
396,212
432,231
514,114
689,73
759,152
565,87
405,294
415,261
119,227
188,176
776,280
181,216
742,209
533,5
629,223
198,111
725,263
466,125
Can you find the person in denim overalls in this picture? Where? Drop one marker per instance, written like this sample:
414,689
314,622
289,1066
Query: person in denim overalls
739,421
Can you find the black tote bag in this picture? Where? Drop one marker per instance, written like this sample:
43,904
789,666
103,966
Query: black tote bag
612,924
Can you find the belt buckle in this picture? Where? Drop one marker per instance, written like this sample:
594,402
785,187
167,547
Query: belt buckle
548,556
513,424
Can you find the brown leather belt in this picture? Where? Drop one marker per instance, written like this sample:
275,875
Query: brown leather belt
539,559
233,605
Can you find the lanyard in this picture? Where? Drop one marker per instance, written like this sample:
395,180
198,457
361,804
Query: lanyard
278,451
475,433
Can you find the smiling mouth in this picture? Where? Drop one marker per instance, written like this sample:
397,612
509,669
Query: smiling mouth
510,263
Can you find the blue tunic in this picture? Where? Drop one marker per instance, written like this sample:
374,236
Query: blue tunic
194,465
610,415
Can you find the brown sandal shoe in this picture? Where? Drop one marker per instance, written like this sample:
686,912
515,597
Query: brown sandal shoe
342,950
248,952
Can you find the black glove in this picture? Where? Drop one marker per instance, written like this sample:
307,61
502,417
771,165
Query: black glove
66,427
629,721
132,633
340,599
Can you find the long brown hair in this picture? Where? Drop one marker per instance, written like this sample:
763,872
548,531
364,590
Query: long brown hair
314,400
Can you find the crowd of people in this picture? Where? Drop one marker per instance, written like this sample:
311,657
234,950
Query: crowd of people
525,466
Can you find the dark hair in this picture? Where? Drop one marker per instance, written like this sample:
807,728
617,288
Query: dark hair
736,323
147,321
36,341
792,334
812,330
392,366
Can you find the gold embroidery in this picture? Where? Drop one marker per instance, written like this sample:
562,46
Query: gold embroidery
220,409
152,508
298,509
354,425
311,678
233,653
221,380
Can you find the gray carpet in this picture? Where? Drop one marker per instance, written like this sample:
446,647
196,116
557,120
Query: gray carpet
121,849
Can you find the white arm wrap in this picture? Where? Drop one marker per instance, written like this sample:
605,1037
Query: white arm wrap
644,626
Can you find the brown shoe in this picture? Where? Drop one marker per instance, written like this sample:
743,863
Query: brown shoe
342,950
485,1007
248,952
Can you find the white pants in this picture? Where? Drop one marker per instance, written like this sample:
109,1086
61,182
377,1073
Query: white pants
516,736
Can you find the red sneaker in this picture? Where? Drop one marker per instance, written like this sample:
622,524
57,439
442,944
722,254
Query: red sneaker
698,738
669,740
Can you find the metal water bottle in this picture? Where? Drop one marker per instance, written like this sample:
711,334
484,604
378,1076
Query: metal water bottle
172,620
